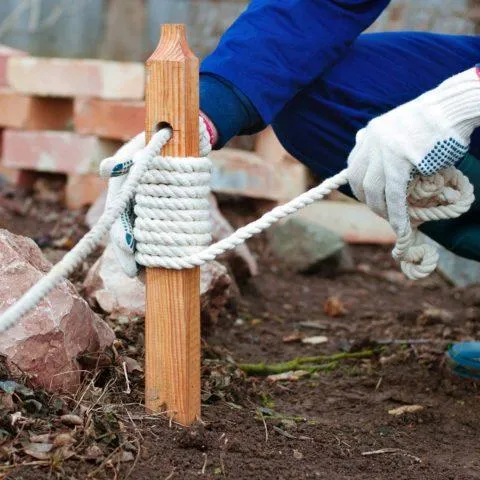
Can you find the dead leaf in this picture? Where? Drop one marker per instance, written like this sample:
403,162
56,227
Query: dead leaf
405,409
40,451
132,365
93,452
316,340
63,439
431,316
71,419
292,337
333,307
291,376
44,438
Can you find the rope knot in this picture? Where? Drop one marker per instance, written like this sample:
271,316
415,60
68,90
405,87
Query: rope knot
447,194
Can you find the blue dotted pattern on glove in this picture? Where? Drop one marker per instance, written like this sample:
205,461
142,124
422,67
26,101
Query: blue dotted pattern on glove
445,153
121,168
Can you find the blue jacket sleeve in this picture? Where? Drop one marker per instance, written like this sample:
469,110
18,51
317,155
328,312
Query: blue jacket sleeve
277,47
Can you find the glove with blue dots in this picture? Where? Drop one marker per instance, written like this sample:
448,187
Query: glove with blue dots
421,137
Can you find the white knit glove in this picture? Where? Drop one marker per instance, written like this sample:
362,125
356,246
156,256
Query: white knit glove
116,169
422,137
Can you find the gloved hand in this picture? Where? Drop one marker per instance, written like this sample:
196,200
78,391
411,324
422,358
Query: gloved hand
116,169
422,137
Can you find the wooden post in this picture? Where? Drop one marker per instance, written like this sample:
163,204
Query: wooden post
172,323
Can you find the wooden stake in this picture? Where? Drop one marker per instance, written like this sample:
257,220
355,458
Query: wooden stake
172,324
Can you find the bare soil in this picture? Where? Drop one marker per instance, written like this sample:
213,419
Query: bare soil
332,423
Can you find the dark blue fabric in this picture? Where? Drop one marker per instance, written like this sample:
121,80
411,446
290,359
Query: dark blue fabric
229,109
278,47
379,72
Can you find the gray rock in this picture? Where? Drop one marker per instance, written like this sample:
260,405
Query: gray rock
304,245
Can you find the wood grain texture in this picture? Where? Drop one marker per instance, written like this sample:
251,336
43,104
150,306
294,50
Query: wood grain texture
172,324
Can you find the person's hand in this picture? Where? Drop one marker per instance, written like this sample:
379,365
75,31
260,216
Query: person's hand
116,169
420,137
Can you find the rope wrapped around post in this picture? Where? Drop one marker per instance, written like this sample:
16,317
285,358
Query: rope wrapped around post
447,194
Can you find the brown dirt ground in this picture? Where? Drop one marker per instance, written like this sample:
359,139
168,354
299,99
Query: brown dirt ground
318,427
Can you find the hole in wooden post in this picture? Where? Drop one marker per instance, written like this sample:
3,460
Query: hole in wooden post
160,125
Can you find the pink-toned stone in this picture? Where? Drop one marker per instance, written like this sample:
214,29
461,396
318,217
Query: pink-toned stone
353,221
115,293
5,54
22,111
51,151
245,173
47,341
64,77
119,120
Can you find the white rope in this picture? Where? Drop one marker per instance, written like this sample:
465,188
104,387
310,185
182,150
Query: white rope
172,226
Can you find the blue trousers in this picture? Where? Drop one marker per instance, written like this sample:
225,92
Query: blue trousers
381,72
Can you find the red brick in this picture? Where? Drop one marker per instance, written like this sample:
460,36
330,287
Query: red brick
82,190
33,113
60,152
5,54
120,120
63,77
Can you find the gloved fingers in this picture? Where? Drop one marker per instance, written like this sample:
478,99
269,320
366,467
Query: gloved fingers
126,261
358,163
396,201
374,185
120,163
121,233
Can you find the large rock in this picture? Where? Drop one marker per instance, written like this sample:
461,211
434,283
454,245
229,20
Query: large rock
47,341
121,296
302,244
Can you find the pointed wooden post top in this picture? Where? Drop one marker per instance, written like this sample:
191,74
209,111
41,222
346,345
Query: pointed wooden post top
173,45
171,93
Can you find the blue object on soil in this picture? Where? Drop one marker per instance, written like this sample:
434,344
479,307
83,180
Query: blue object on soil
464,358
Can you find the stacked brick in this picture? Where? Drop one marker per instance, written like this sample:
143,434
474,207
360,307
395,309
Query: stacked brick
64,115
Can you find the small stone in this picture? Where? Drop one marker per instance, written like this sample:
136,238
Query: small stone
239,322
292,376
303,245
316,340
297,454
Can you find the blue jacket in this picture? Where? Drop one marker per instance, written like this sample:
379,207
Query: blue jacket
272,51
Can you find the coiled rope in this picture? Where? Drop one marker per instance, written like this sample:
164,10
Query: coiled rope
172,225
